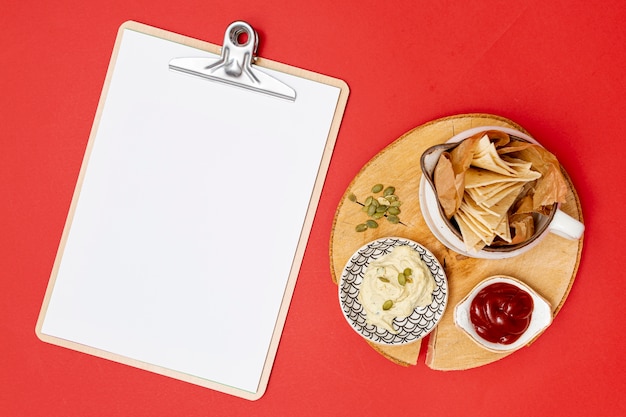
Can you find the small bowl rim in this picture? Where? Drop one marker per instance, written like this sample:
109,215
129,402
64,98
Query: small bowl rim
541,318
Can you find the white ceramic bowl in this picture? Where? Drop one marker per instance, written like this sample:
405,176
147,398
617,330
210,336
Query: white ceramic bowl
423,319
541,316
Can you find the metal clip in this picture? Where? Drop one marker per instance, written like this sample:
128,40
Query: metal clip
234,67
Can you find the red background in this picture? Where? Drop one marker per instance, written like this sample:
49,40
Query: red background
555,67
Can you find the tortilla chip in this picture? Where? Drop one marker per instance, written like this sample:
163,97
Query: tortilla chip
479,229
498,138
473,230
504,230
502,207
514,146
491,190
491,199
486,157
484,223
518,166
495,219
476,177
472,241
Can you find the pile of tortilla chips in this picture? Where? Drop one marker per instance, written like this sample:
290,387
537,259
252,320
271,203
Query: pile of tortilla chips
491,184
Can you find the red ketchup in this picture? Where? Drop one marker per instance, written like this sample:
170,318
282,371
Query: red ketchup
501,312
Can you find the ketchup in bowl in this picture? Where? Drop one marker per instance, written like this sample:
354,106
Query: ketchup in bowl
501,312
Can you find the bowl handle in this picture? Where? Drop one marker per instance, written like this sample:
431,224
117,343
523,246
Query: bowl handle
566,226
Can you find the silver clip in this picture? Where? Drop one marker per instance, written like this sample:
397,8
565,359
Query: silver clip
234,67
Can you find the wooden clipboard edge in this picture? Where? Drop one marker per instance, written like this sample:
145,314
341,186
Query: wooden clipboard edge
344,92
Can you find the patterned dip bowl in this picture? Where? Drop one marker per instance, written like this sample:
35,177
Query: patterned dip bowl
409,329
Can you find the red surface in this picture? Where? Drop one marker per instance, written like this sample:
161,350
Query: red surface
557,68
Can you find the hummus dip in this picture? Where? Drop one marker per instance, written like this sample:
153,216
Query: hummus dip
394,285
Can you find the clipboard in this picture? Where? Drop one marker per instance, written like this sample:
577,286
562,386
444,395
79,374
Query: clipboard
192,209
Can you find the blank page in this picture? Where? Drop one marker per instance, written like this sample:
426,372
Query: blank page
192,204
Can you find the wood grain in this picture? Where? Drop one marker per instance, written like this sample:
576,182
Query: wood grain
549,268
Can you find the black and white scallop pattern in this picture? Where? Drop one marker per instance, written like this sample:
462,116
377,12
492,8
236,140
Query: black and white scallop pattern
423,319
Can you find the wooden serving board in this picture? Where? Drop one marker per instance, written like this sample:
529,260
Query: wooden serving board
549,268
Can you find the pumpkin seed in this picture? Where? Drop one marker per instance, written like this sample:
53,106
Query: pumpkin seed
371,224
377,215
361,227
377,188
368,201
383,279
393,210
408,272
401,279
387,305
351,197
371,209
393,219
389,191
381,209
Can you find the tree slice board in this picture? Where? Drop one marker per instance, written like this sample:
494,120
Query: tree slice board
550,267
